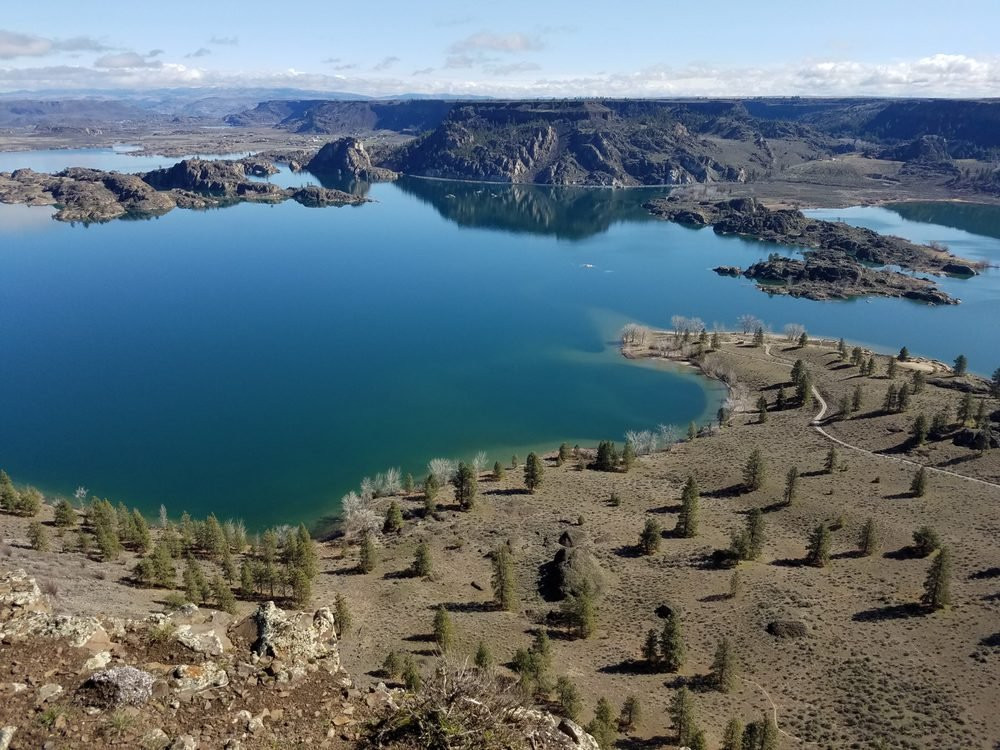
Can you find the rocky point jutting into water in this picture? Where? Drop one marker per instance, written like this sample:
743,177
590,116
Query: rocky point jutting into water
93,195
837,260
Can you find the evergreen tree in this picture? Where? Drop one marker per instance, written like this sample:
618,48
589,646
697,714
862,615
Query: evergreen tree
748,544
937,586
223,595
919,430
889,403
917,382
733,737
868,540
601,727
724,671
672,644
393,665
682,715
819,547
842,348
422,565
843,406
408,484
939,425
393,519
628,456
692,431
798,371
791,485
484,659
858,357
918,487
431,488
761,409
466,486
769,733
196,588
65,516
411,675
980,419
579,612
735,584
630,715
607,457
504,581
716,341
38,536
687,519
533,471
804,391
961,365
649,539
444,631
779,400
651,650
570,702
803,340
342,616
754,471
995,384
369,554
497,471
902,399
965,410
904,355
758,337
832,460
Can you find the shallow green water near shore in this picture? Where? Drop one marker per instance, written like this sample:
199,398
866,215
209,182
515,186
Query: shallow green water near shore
257,361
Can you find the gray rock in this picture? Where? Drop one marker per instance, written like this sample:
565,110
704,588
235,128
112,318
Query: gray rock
47,692
296,638
119,686
156,739
7,736
190,678
184,742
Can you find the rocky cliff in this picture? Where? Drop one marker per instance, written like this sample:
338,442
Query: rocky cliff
348,158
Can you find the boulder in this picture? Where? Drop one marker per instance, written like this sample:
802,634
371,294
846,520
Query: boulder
193,678
119,686
18,592
296,638
984,439
7,736
728,270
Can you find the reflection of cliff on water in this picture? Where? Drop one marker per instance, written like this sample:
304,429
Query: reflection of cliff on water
977,218
565,212
336,182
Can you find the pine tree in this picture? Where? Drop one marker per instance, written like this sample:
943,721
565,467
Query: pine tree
919,430
649,539
791,485
980,419
369,554
570,702
38,536
843,406
803,340
754,472
779,400
819,547
65,516
393,519
733,737
961,365
762,409
342,616
904,355
858,357
484,658
682,715
466,486
444,631
631,714
925,541
393,665
804,391
223,595
937,586
651,650
716,341
687,519
798,372
422,565
889,403
832,460
196,588
503,579
735,584
579,612
408,484
902,399
672,644
724,670
601,727
533,472
411,675
758,337
607,457
965,410
692,431
917,382
497,471
918,487
628,456
868,539
769,733
842,348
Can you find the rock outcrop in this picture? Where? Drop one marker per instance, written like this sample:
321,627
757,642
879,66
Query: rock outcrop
347,157
92,195
837,260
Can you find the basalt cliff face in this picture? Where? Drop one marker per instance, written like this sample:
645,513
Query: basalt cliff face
588,143
348,158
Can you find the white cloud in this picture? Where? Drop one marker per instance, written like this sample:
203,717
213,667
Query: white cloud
126,60
385,63
225,41
200,52
485,41
13,44
509,68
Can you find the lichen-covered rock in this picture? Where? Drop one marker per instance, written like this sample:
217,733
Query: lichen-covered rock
119,686
193,678
296,638
18,592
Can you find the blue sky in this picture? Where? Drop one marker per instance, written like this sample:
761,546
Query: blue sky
511,48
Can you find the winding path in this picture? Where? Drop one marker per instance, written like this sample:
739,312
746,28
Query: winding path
816,424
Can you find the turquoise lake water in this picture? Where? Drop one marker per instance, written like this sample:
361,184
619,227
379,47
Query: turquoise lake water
257,361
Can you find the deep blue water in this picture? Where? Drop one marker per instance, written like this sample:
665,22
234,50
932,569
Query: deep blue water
257,361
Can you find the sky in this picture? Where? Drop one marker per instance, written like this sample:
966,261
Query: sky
511,48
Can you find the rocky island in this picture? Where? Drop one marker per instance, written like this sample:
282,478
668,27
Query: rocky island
838,259
94,195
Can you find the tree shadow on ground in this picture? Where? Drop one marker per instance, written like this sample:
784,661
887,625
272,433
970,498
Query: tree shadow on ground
629,551
665,509
775,506
733,490
789,562
908,552
471,606
900,496
849,555
637,743
985,574
960,459
991,641
891,612
629,666
508,492
715,598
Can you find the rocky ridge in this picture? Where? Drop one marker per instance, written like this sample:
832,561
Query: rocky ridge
93,195
198,678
